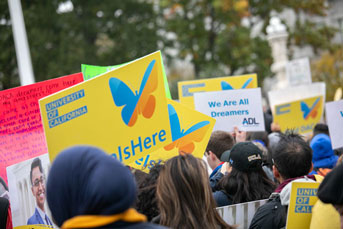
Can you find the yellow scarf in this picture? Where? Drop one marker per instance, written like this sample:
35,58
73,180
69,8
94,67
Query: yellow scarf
89,221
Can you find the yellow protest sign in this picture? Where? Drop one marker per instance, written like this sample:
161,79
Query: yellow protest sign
188,88
191,131
35,226
303,197
123,111
300,115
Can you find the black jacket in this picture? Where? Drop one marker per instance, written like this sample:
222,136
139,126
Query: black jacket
270,215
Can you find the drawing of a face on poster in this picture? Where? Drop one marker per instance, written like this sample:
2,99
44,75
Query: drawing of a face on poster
27,182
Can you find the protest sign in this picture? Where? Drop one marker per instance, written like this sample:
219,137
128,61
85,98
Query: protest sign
334,119
291,94
191,131
90,71
240,214
123,111
188,88
298,72
27,182
303,197
300,116
241,108
21,131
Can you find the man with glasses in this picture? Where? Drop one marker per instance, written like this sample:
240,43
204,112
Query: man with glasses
38,191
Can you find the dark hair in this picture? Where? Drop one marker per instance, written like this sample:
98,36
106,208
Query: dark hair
246,186
146,200
338,151
184,195
139,175
320,128
219,142
36,163
259,135
292,156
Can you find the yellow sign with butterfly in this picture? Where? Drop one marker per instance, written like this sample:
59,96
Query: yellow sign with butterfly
188,88
301,115
124,112
191,131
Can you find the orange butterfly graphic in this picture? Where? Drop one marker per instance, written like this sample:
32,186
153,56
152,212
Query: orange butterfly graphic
184,140
136,103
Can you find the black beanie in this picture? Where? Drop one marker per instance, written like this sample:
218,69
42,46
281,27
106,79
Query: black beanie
331,189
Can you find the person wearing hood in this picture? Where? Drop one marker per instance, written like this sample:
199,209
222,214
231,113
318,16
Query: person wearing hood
87,188
324,158
292,160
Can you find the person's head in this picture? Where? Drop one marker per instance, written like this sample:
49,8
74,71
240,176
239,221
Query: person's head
219,142
38,182
259,136
330,190
146,201
184,195
320,128
292,157
84,180
247,181
323,154
139,175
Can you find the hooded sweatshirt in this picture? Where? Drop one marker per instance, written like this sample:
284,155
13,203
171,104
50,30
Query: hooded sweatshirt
87,188
323,155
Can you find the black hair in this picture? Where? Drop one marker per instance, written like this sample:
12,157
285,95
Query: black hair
246,186
292,156
321,128
36,163
139,175
146,200
338,151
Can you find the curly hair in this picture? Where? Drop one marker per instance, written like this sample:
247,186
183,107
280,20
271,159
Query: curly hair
146,200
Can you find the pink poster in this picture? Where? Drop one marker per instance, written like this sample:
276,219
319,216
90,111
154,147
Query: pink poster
21,131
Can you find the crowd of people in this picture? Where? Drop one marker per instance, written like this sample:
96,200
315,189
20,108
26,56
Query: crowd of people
86,188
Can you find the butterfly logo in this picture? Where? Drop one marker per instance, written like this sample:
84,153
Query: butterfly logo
227,86
136,103
182,139
147,162
310,112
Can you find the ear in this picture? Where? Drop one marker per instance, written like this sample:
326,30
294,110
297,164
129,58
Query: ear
311,167
212,156
276,172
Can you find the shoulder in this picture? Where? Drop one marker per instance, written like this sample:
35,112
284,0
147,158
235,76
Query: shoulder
32,219
221,198
270,215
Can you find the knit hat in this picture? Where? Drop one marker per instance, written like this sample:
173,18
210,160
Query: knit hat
331,188
84,180
244,156
323,155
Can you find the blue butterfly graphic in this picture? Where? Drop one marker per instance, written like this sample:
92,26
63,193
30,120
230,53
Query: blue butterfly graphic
227,86
124,96
307,112
176,130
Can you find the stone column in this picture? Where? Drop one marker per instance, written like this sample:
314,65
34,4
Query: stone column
277,38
